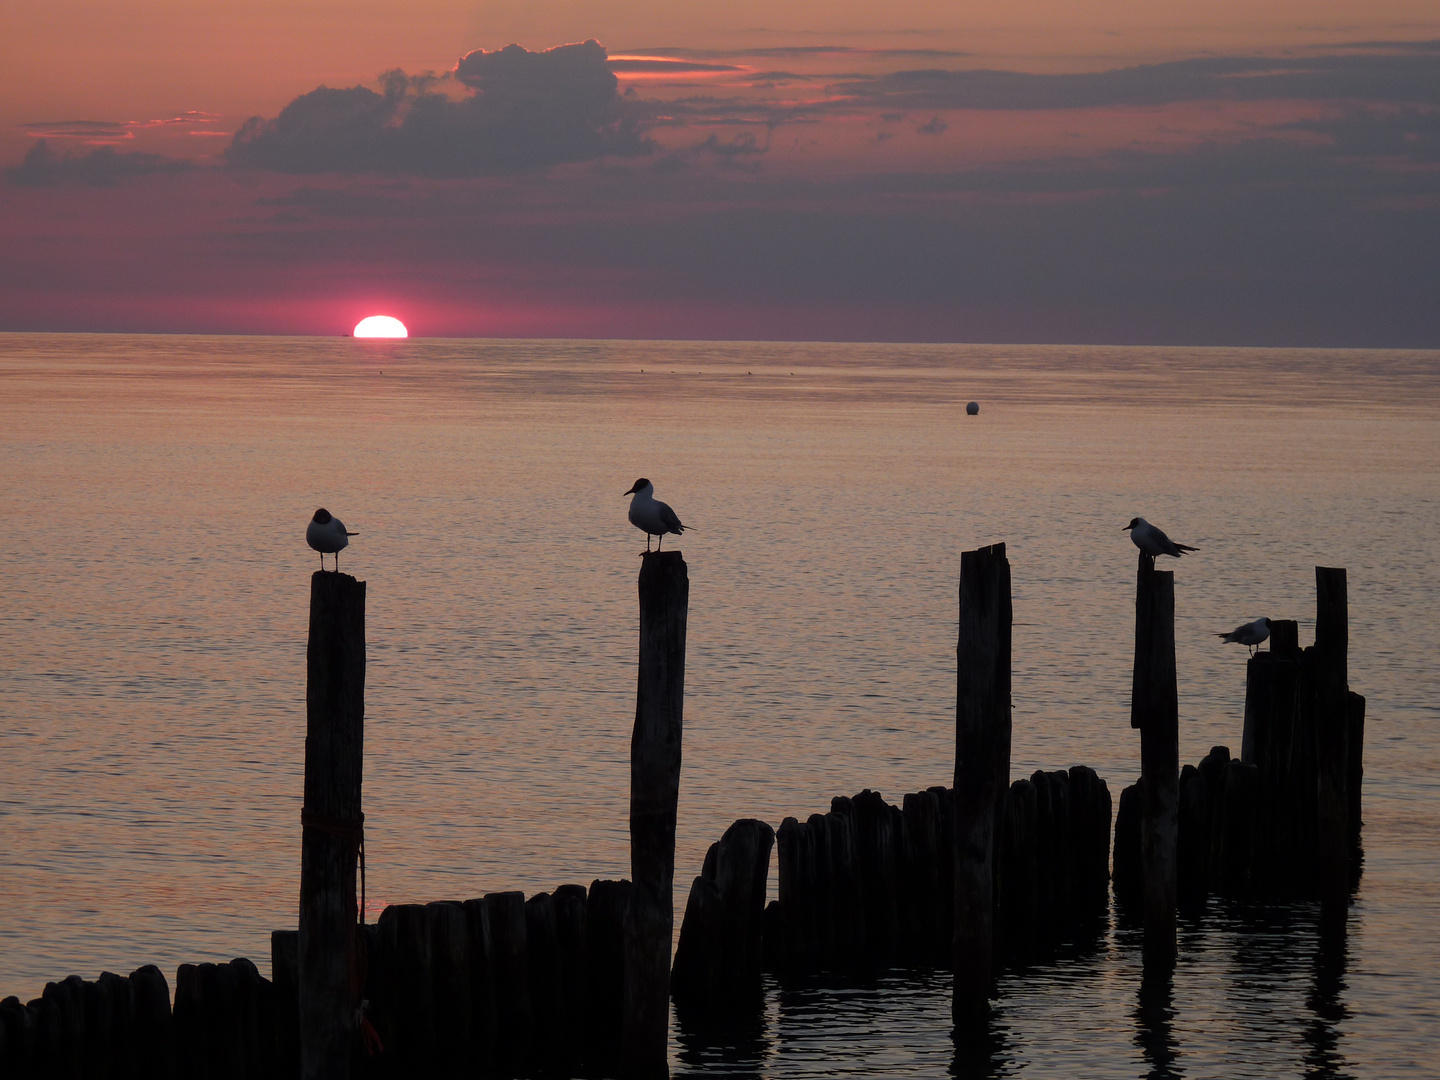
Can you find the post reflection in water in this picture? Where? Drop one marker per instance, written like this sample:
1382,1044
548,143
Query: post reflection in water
982,1050
1153,1031
1323,1059
731,1042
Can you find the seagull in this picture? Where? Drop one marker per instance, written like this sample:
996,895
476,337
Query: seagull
1250,633
650,515
1152,541
326,534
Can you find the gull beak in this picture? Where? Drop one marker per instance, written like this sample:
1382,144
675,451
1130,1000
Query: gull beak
630,492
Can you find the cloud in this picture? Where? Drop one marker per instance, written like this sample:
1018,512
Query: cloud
103,167
1394,78
523,111
662,65
798,52
109,132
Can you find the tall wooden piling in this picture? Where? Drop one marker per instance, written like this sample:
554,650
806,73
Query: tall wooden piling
654,792
1155,710
1330,683
982,769
330,978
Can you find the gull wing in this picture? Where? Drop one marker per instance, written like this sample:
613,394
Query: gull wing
669,519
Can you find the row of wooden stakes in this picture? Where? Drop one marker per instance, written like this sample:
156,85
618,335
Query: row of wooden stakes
869,886
502,985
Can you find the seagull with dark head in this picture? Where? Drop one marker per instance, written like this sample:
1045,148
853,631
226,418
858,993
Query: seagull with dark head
1153,541
326,534
650,515
1250,634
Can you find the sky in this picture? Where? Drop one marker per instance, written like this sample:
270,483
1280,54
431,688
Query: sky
1239,173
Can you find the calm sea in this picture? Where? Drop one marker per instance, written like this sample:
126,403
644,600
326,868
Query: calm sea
153,501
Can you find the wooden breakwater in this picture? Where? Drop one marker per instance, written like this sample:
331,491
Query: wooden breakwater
1267,825
869,886
578,981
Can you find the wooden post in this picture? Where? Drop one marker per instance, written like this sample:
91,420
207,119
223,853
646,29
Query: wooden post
331,836
1331,686
154,1028
1155,710
605,910
514,1017
483,1007
1354,781
845,909
284,973
570,906
982,769
1017,873
654,792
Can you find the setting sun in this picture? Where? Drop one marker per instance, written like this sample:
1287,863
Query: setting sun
384,326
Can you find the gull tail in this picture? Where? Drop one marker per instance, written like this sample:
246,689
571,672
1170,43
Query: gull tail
1226,637
1185,547
352,534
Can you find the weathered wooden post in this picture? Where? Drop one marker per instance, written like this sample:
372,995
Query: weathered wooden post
982,769
1332,723
1155,710
332,832
654,792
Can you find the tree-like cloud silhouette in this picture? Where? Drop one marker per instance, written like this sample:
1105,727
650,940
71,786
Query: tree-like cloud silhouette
520,110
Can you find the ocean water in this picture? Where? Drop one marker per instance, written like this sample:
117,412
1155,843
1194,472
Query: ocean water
154,578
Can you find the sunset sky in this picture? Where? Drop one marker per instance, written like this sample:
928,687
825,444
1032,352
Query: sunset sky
1260,172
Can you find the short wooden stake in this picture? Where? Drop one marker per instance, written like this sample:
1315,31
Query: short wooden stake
982,769
654,793
329,975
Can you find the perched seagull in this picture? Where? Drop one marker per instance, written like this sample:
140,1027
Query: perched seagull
1250,633
650,515
326,534
1152,541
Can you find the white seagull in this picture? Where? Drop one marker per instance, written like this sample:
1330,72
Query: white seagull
326,534
650,515
1152,541
1250,633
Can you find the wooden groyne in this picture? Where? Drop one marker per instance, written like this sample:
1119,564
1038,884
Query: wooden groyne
1282,821
973,877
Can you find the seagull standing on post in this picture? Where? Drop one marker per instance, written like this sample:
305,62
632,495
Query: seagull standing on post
1250,634
650,515
326,534
1153,541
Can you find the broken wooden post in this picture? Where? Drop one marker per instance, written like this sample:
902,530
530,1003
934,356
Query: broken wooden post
332,826
1155,710
1332,737
982,769
654,792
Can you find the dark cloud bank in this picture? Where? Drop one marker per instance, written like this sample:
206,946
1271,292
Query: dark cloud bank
524,110
103,167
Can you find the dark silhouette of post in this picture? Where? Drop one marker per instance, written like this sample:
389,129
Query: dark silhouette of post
654,791
1331,688
1155,710
982,769
331,832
